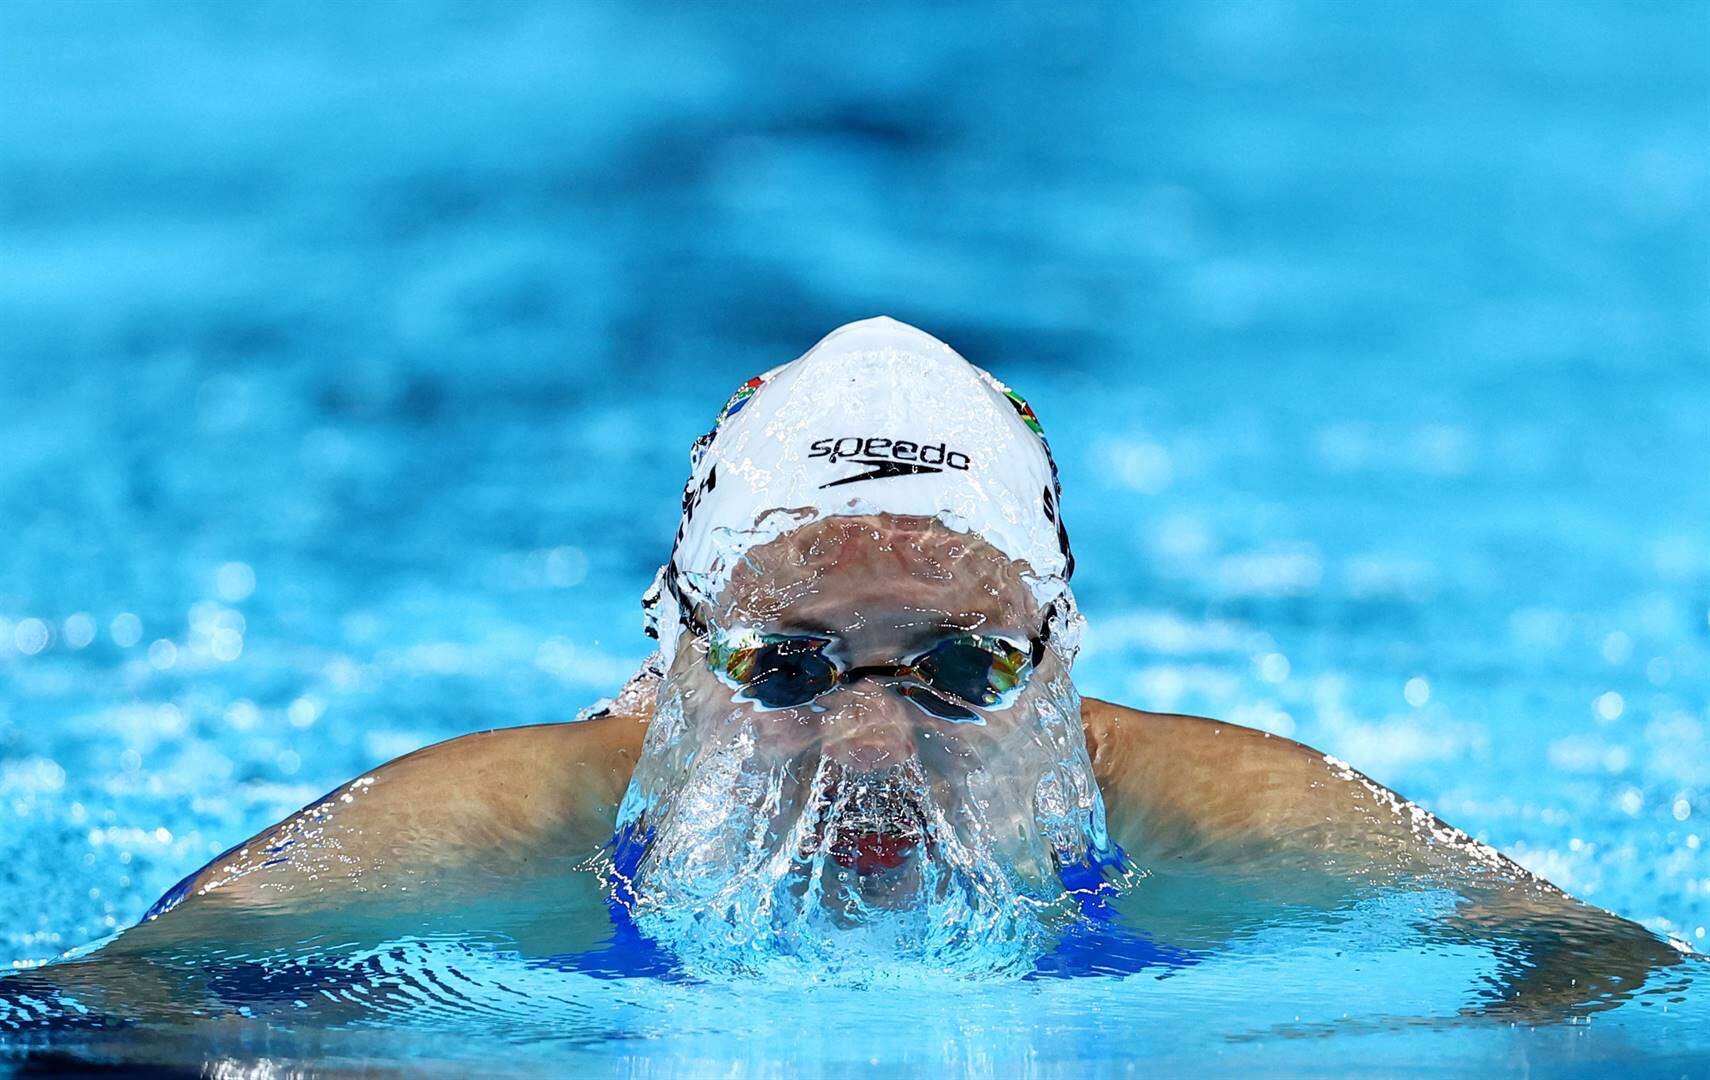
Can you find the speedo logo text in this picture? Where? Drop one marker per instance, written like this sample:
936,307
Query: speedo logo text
887,457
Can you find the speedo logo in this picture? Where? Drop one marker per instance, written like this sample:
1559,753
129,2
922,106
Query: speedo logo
887,457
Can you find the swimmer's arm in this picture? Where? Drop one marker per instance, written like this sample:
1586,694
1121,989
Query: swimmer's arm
1189,789
1212,807
503,803
490,830
477,824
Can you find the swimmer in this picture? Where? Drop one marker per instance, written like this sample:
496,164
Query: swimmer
859,733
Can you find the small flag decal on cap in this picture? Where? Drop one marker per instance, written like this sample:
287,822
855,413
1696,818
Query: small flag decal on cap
1026,410
740,398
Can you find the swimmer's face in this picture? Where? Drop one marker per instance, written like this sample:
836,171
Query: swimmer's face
876,594
897,801
877,782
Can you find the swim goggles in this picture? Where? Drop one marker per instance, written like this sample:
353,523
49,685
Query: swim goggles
948,680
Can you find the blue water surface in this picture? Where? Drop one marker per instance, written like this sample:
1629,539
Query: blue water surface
349,359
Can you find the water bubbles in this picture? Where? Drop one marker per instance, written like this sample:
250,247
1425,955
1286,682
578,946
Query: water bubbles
226,645
565,567
303,712
1610,706
1291,571
162,654
1682,808
31,636
243,714
35,775
1140,466
169,720
1617,647
1273,667
234,581
1417,691
562,567
342,672
216,631
126,630
78,630
1630,801
1183,536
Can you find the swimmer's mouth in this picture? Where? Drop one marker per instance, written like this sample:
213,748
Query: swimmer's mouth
869,851
873,839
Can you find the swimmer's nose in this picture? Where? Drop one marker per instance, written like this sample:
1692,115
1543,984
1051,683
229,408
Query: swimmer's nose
868,727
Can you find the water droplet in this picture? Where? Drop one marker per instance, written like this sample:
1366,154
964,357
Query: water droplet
304,712
79,630
1273,667
234,581
1630,801
162,654
226,645
1610,705
566,567
126,629
30,636
243,714
1617,648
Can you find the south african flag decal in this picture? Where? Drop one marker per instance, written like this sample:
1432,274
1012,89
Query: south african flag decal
739,400
1024,410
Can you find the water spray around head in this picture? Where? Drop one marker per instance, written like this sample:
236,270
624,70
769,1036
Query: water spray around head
867,749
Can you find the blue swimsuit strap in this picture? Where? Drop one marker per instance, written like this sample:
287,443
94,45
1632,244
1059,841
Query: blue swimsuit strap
1097,945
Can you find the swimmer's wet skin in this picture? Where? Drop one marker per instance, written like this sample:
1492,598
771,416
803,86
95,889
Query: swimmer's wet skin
862,707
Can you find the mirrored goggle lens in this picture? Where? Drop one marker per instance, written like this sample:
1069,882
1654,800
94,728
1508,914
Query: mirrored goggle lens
780,672
982,671
941,707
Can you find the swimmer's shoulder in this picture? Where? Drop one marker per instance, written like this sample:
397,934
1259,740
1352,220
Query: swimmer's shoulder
1131,745
1191,785
509,801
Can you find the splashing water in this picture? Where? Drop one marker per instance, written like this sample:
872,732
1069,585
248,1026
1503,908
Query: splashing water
788,863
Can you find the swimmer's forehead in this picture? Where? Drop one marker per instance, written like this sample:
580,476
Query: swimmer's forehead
844,574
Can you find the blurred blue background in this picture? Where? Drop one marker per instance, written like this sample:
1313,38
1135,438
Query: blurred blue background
350,355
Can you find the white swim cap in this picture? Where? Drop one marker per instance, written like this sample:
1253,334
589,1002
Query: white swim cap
879,417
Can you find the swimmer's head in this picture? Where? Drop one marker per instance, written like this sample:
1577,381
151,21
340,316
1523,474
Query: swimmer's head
877,418
866,733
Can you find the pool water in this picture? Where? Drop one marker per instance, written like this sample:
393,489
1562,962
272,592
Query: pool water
349,367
